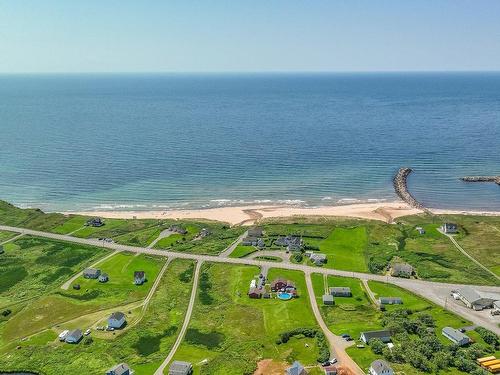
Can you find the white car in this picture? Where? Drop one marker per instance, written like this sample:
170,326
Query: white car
87,332
63,335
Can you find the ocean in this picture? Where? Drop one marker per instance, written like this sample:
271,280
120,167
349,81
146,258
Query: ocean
169,141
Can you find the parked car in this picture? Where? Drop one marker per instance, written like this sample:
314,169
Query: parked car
87,332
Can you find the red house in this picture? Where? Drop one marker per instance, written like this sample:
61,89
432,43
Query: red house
255,293
278,285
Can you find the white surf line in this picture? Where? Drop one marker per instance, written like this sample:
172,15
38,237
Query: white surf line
233,246
337,344
461,249
67,284
185,325
12,239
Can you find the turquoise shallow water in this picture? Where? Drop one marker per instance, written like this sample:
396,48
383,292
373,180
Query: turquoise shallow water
78,142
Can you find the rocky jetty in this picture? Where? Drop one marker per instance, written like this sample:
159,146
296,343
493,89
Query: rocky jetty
401,188
495,179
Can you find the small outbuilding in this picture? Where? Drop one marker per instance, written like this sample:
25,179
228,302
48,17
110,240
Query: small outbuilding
328,299
180,368
139,277
318,258
449,228
121,369
103,278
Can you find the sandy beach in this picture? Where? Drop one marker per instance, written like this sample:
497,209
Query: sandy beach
386,211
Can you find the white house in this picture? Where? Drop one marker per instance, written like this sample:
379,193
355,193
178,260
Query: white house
455,336
380,367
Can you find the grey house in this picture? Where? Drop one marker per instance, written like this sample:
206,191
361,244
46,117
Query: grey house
455,336
380,367
318,258
449,228
383,335
121,369
116,320
390,301
139,277
73,337
296,369
103,278
180,368
255,232
328,299
340,291
91,273
474,300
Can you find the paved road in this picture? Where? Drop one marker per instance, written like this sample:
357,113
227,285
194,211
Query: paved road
185,325
438,293
231,247
337,344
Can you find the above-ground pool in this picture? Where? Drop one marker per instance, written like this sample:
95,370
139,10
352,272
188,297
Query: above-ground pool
285,296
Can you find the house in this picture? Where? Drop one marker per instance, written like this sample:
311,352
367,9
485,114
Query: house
340,291
204,233
278,284
402,270
390,301
177,229
255,232
91,273
380,367
253,241
328,299
139,277
180,368
73,337
475,300
449,228
292,243
116,320
296,369
455,336
95,222
121,369
318,258
103,278
76,287
420,230
383,335
255,293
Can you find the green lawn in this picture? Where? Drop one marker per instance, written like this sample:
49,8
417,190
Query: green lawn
5,236
242,251
143,346
32,266
345,249
234,332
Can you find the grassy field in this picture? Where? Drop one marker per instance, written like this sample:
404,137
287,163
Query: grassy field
5,236
143,346
234,332
32,266
242,251
345,249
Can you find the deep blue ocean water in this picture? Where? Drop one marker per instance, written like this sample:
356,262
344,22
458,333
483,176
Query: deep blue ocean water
73,142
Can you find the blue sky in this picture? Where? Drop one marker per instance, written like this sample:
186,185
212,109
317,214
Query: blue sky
239,35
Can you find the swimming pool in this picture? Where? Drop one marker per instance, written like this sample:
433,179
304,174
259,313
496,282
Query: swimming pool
285,296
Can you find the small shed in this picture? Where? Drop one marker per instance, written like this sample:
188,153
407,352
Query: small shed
328,299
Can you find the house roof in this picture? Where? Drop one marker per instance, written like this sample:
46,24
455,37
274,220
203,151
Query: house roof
139,274
380,366
376,334
120,369
104,275
179,368
385,300
75,334
278,280
318,256
339,289
469,294
402,267
255,290
255,232
118,315
91,271
327,298
454,334
295,369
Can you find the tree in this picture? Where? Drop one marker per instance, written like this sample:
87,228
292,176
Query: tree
489,337
377,346
464,364
442,360
427,320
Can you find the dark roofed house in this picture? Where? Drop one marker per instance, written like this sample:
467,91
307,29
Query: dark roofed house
73,337
278,284
296,369
255,292
180,368
383,335
95,222
328,299
390,301
178,229
455,336
139,277
292,243
449,228
330,370
103,278
116,320
340,291
402,270
255,232
420,230
121,369
204,233
380,367
253,241
91,273
318,258
76,287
